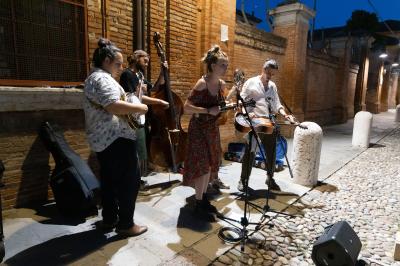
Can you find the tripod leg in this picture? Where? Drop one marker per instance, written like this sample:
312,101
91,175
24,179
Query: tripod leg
290,169
247,165
269,143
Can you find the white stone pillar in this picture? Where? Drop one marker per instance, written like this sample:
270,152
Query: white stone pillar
362,129
306,154
397,116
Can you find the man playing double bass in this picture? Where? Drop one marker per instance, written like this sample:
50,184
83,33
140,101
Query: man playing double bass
264,92
130,80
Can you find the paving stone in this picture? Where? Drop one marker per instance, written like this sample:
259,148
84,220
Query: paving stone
225,259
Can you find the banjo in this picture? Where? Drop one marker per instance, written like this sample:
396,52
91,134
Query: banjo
136,121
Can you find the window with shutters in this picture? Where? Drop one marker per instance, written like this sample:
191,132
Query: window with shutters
43,42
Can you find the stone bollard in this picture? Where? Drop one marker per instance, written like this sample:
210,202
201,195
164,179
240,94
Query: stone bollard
397,117
396,253
306,154
362,129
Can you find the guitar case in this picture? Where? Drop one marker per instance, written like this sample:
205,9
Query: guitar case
73,183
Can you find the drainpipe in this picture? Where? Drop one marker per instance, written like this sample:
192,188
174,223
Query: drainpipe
139,24
104,30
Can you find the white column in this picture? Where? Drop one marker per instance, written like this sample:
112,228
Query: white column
306,154
362,129
397,117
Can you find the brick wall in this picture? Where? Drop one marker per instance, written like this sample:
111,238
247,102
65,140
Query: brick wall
117,25
393,91
176,21
28,164
253,47
385,91
351,89
321,84
330,88
374,84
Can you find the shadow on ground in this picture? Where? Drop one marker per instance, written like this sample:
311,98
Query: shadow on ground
63,250
376,145
325,187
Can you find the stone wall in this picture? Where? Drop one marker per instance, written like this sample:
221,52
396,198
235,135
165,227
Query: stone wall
351,85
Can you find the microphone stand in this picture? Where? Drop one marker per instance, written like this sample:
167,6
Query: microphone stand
244,222
270,172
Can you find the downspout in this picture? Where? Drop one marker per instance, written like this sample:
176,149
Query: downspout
139,24
104,31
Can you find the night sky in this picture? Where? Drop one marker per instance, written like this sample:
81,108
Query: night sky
330,13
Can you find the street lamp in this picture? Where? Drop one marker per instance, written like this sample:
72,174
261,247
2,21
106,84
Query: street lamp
383,55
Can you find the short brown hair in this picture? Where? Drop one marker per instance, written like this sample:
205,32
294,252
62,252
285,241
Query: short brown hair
134,58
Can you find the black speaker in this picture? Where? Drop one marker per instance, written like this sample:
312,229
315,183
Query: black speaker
339,245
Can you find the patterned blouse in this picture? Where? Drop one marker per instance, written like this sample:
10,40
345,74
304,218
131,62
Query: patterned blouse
102,127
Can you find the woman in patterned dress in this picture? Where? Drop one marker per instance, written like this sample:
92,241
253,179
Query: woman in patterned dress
204,150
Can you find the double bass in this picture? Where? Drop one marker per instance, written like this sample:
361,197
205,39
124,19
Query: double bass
168,140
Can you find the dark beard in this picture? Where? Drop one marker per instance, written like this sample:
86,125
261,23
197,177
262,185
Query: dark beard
140,68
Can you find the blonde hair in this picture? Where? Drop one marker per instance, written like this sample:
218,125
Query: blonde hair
212,56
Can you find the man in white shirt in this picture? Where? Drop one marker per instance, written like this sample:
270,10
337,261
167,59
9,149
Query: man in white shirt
264,92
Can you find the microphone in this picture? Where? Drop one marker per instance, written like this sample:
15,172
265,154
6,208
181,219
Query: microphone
268,100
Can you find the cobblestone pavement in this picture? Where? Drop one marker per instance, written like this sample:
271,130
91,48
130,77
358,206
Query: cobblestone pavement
365,193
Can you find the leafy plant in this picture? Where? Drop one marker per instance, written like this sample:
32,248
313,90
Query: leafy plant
362,22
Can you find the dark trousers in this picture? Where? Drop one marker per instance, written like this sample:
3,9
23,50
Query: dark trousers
269,143
120,181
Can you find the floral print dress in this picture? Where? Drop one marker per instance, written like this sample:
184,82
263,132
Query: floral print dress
203,150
